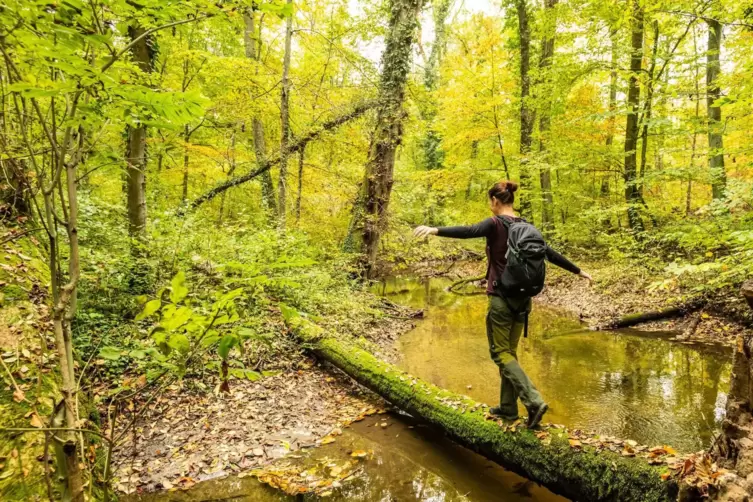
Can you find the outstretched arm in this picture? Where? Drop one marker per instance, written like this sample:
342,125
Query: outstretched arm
557,259
481,229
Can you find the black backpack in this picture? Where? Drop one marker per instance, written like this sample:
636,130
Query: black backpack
525,272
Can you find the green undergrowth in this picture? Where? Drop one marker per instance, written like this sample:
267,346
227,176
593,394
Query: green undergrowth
27,400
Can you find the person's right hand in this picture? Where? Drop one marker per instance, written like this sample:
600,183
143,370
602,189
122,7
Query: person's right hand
423,231
586,276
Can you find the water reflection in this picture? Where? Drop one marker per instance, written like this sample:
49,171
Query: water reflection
626,384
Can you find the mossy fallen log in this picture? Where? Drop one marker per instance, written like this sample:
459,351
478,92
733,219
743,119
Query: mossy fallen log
581,473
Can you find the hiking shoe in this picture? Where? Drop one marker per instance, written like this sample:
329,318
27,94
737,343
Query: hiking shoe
535,416
497,412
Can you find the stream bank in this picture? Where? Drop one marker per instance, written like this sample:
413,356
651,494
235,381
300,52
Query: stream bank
618,291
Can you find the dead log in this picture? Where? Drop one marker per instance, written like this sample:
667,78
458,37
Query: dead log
581,473
656,315
294,147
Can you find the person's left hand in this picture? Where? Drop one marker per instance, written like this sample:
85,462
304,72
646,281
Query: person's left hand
586,276
423,231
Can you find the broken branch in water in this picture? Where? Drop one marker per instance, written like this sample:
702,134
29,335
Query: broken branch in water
656,315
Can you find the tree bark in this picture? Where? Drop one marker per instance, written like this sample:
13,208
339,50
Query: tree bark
252,43
716,146
611,122
545,118
527,114
694,143
648,106
136,146
285,120
432,141
377,185
301,157
632,196
579,474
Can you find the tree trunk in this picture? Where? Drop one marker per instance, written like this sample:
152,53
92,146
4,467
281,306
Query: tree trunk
648,107
545,67
527,114
716,146
632,196
230,173
285,120
694,144
301,157
136,146
611,122
432,141
252,42
577,473
377,185
186,139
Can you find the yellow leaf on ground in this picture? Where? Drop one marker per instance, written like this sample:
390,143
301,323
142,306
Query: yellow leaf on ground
36,421
18,395
575,443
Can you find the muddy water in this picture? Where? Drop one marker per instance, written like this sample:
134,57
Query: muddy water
626,383
406,462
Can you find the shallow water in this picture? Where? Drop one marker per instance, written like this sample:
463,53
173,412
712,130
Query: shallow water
409,463
624,383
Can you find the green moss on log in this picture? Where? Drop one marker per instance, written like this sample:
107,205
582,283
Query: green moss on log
584,474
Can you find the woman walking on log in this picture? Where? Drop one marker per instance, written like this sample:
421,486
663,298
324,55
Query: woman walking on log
515,252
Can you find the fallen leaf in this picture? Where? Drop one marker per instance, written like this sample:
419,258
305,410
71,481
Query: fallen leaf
36,421
575,443
665,476
360,454
18,395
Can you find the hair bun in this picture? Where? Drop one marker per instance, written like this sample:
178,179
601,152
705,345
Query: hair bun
512,187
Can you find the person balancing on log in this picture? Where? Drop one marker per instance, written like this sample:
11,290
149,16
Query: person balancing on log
516,253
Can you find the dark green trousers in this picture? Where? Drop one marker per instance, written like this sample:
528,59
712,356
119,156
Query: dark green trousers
504,329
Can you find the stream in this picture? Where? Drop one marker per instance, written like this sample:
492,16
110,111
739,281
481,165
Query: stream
626,383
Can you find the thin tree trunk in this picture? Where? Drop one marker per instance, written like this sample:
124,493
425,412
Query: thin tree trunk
433,155
230,173
136,147
377,186
186,139
611,123
632,196
716,146
285,120
545,119
527,114
252,42
648,107
495,114
694,144
301,157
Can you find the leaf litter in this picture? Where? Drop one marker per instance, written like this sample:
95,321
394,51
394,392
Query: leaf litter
184,437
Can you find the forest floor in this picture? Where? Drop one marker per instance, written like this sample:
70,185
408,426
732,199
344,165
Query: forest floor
186,435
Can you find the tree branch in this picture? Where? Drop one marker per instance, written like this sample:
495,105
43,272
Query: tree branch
292,148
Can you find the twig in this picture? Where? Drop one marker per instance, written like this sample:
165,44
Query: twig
18,235
13,380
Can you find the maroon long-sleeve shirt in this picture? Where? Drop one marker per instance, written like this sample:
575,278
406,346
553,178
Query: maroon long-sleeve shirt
496,246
